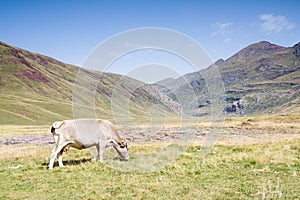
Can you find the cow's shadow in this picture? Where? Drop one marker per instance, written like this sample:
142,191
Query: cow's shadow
69,162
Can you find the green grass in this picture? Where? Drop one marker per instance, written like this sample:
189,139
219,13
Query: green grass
37,90
261,171
22,111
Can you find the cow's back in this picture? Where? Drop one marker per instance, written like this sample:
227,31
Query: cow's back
107,128
90,131
86,131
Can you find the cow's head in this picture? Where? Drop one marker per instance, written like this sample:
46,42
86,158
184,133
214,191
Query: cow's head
122,149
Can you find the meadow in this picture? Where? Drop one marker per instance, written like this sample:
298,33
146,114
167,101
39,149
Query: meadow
248,162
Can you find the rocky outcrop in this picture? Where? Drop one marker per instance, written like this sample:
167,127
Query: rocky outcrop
296,51
261,78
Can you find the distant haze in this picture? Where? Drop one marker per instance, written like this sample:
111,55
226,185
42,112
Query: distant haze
151,73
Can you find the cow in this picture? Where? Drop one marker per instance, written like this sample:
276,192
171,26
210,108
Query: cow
85,133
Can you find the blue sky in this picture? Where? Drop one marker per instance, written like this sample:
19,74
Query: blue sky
70,30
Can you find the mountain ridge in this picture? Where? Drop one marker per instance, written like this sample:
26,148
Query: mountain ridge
262,78
258,48
37,89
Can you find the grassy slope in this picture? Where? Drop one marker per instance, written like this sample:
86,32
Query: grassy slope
26,101
266,76
36,89
267,170
267,80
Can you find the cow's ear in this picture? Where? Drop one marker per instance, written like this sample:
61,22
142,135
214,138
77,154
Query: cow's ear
111,142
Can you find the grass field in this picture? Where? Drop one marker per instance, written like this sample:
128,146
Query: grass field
261,167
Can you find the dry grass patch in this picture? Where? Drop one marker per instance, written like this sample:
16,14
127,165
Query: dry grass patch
13,130
246,163
267,170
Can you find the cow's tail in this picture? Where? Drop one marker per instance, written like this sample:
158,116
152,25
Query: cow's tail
56,125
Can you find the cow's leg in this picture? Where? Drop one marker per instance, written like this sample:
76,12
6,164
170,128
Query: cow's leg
101,149
59,158
96,155
101,152
52,158
54,154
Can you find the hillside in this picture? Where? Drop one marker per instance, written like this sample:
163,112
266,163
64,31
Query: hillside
262,78
36,89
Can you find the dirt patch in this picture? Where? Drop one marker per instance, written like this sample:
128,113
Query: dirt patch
255,139
33,140
21,59
227,136
34,75
1,84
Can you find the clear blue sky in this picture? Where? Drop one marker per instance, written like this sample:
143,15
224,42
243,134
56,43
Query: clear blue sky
69,30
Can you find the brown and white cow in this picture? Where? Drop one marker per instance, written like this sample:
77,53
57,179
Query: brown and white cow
85,133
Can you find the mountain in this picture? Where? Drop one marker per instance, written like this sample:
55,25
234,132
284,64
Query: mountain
36,89
262,78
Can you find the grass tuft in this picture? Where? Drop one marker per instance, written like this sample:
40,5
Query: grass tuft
264,170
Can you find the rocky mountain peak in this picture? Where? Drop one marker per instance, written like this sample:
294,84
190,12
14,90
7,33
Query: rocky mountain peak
262,47
219,62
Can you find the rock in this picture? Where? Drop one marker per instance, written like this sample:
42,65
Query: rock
296,51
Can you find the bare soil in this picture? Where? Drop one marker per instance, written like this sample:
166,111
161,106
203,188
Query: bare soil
28,139
226,136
